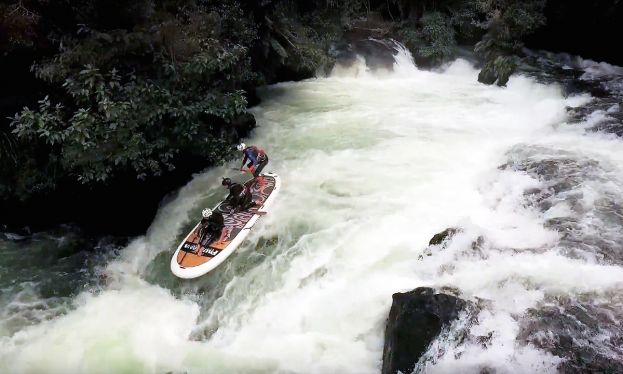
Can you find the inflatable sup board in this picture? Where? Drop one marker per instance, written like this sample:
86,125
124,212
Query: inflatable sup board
192,260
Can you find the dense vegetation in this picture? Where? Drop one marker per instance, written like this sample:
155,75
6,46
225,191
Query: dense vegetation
100,92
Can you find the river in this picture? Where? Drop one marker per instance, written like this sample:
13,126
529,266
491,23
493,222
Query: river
373,164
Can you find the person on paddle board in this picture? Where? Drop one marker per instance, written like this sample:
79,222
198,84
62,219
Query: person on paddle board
257,159
240,198
212,227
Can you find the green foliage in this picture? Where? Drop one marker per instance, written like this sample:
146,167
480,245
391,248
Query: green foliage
506,22
438,37
120,114
137,85
132,85
301,41
430,30
8,149
431,40
511,19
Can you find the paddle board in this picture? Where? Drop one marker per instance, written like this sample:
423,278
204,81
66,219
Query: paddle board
192,259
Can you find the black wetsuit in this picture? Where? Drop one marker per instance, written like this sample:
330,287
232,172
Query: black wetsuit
211,227
239,198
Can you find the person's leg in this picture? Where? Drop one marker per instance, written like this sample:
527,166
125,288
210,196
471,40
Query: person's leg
212,235
203,231
224,233
260,167
203,234
258,171
235,203
247,201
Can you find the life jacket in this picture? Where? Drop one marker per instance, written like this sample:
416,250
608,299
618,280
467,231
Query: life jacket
242,191
260,154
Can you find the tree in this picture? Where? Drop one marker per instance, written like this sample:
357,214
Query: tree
131,100
506,23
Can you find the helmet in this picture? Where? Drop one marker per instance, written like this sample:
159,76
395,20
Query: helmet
241,146
207,212
226,182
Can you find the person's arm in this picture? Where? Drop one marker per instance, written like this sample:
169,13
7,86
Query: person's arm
244,159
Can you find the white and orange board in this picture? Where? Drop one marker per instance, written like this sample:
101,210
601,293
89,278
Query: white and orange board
191,260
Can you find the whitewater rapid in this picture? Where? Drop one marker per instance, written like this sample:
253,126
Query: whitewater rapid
373,165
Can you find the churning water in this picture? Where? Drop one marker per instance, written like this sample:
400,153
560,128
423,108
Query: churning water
373,164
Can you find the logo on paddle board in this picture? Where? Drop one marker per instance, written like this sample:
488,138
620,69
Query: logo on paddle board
210,252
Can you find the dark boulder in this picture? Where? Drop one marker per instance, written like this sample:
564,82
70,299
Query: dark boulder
586,335
416,318
441,240
487,76
442,236
378,54
370,39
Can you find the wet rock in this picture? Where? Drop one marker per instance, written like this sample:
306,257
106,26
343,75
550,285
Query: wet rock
485,340
441,240
416,318
487,76
577,76
563,179
586,334
443,236
369,38
378,54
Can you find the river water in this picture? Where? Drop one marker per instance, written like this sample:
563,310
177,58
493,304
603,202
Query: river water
373,165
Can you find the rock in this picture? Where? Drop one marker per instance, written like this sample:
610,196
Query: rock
440,241
378,54
370,39
574,331
487,75
444,235
416,318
